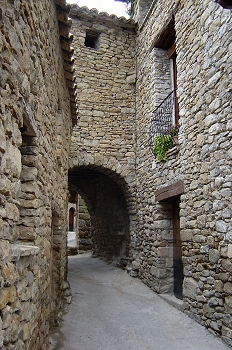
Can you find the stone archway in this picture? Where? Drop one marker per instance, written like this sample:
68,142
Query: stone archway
111,207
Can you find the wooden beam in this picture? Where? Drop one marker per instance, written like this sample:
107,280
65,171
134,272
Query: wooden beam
172,51
168,192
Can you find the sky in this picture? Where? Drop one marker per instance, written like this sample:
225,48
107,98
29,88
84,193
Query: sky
109,6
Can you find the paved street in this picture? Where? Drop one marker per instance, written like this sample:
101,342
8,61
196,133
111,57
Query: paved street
113,311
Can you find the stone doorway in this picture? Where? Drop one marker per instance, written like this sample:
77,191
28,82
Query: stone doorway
169,198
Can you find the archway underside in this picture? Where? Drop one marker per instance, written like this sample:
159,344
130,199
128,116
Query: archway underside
108,208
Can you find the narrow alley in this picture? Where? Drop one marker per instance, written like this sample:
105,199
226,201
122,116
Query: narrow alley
113,311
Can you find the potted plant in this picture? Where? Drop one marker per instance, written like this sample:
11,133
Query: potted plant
161,144
173,132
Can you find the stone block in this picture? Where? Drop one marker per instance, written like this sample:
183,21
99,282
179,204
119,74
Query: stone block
11,334
28,173
135,264
219,286
190,286
228,304
186,235
131,79
228,288
2,139
7,295
8,232
30,204
4,250
161,224
13,160
5,188
227,335
229,252
158,272
221,226
26,233
12,212
164,252
214,255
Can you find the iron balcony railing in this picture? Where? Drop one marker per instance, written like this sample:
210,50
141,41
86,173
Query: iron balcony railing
163,117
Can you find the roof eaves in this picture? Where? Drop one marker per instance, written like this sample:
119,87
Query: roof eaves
66,38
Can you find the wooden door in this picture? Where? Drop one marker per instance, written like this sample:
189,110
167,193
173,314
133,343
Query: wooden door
177,251
71,219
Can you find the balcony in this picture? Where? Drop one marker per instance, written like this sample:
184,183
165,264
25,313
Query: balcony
164,121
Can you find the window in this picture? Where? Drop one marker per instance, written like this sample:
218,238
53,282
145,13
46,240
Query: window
165,116
172,57
166,40
92,40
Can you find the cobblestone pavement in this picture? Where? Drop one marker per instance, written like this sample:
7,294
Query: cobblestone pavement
113,311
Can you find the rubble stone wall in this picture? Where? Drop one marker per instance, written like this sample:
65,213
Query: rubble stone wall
35,126
203,163
84,226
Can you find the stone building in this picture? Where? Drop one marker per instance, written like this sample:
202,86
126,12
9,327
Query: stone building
102,156
37,106
184,210
168,221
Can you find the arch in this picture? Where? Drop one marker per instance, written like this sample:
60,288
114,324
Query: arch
122,174
110,198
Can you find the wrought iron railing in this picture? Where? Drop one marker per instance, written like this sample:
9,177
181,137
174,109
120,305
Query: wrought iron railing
162,117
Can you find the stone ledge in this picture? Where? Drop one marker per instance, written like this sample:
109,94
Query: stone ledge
22,250
173,150
172,300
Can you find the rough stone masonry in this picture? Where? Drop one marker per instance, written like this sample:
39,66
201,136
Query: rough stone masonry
35,130
167,222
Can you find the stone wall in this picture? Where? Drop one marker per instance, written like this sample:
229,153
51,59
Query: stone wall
84,227
203,162
123,75
35,107
104,138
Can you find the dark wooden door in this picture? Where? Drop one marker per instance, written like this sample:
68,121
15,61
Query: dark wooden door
71,219
177,251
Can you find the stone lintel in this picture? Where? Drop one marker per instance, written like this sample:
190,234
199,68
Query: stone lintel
22,250
170,191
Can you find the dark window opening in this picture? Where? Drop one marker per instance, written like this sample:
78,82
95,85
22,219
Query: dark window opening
71,219
92,40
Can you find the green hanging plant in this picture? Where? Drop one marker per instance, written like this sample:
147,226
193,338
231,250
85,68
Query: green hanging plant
131,7
161,145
